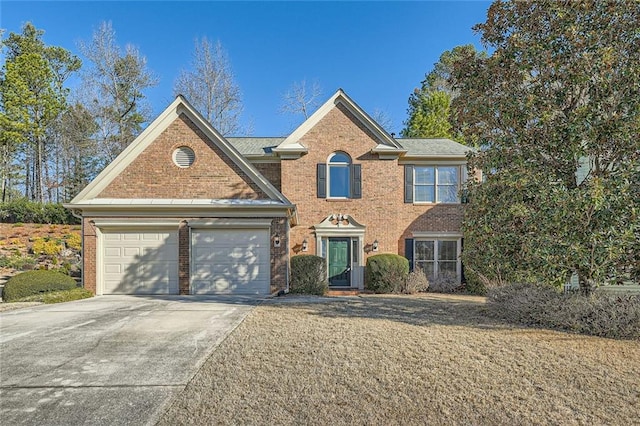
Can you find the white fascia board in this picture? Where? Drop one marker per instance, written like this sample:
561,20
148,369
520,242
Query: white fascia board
140,213
291,152
434,159
129,154
179,106
340,97
386,152
230,223
135,223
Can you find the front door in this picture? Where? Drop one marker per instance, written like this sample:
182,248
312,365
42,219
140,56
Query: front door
339,262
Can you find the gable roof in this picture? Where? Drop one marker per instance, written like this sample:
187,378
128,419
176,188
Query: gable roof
434,148
179,106
252,147
291,142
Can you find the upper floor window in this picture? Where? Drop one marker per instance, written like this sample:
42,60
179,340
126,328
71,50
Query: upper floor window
339,182
339,177
432,184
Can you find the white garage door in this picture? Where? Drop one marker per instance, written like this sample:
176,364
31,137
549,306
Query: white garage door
137,262
230,261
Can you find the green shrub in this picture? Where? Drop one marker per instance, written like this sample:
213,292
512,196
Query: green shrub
35,282
309,275
416,281
73,241
23,210
17,261
58,296
46,246
474,284
599,314
386,273
66,295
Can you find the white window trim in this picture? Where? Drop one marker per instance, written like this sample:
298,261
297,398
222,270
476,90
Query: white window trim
435,253
338,164
461,175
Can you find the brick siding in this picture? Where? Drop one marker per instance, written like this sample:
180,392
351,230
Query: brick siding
153,174
381,209
272,172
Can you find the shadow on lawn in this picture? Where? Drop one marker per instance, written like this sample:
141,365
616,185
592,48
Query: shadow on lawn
414,310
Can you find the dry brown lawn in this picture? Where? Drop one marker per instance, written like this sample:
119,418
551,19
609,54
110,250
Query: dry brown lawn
383,360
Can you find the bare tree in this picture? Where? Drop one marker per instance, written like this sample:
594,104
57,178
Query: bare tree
210,86
114,87
383,118
301,99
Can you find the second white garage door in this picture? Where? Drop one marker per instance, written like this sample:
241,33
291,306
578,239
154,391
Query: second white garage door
136,262
233,261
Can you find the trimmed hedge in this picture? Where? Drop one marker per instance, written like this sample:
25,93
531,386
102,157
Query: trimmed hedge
308,275
599,314
386,273
36,282
25,211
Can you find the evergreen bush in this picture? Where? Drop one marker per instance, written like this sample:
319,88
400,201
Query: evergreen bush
386,273
35,282
25,211
309,275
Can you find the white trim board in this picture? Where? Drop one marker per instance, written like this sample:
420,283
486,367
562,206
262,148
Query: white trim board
179,106
291,143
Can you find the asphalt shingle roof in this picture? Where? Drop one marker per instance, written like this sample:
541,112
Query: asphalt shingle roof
262,146
433,147
251,146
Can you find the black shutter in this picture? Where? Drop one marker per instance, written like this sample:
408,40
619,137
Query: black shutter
408,252
322,180
408,184
356,181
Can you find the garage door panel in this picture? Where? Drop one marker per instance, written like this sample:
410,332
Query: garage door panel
230,261
112,252
140,262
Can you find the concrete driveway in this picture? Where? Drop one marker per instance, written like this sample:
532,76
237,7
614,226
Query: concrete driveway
109,359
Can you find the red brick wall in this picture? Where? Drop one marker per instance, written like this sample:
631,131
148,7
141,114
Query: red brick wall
381,209
89,242
271,171
279,259
154,175
184,246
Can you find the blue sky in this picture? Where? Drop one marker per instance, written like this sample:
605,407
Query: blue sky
378,52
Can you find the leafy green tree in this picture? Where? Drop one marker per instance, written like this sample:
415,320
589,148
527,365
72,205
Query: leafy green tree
32,95
429,112
430,105
114,85
559,92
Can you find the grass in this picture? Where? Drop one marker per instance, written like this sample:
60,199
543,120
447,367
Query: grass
431,359
58,296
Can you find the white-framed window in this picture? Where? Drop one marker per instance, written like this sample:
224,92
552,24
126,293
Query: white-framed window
438,257
339,175
436,184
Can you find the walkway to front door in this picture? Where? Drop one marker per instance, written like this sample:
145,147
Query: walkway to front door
339,259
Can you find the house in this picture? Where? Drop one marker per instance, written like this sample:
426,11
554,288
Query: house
184,210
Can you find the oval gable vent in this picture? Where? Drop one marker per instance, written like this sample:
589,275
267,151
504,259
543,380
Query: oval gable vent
184,156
